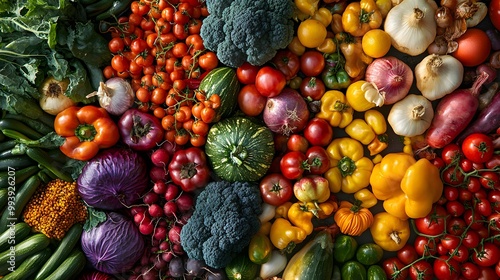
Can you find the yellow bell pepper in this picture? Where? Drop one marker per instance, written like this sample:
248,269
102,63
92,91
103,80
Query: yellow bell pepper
407,187
308,7
349,169
283,234
363,96
358,129
389,232
356,60
376,120
323,15
378,144
366,197
335,109
301,216
282,210
359,17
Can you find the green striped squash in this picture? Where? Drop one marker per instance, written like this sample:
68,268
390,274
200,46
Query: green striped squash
239,149
224,82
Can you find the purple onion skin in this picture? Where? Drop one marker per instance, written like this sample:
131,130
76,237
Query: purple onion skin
95,275
114,246
487,120
286,113
494,36
113,179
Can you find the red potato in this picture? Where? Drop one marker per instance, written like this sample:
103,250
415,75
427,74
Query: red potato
453,114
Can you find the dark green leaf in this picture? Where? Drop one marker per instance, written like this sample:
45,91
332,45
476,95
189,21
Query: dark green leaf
95,217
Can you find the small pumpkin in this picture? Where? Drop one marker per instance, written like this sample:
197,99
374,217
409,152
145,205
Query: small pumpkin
353,219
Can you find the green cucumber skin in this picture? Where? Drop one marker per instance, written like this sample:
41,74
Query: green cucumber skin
28,247
29,266
17,162
71,266
19,177
62,251
20,127
21,231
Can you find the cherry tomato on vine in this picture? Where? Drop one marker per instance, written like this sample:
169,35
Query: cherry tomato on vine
478,147
421,270
453,176
486,254
470,270
451,153
446,269
425,246
393,265
433,223
490,180
407,254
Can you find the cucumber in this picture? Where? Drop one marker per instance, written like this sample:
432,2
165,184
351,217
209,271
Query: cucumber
21,199
19,176
71,266
3,198
63,250
34,124
43,159
20,127
17,162
29,266
7,145
21,230
23,250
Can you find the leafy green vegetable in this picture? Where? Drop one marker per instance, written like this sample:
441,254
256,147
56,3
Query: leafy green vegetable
42,38
95,217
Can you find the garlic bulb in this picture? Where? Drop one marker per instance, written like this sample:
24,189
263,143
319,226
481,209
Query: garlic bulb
411,116
438,75
412,26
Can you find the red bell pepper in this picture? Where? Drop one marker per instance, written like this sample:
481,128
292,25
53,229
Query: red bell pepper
189,169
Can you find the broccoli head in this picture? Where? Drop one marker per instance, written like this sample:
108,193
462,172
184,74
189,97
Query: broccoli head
247,30
225,218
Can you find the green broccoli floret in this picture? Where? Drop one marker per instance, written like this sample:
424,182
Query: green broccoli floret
247,30
224,220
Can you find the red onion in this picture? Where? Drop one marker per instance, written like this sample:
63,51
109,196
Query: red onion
286,113
488,70
391,76
494,36
95,275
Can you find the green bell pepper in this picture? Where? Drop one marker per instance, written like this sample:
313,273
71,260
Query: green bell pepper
334,76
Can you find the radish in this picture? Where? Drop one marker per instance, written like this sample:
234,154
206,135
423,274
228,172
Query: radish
150,198
160,233
286,113
174,235
160,157
155,210
170,208
453,113
157,173
184,202
171,192
160,187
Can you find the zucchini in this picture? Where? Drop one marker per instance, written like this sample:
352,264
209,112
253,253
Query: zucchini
71,266
20,127
314,260
23,250
3,198
19,176
17,162
29,266
34,124
7,145
224,82
64,248
43,159
21,230
21,199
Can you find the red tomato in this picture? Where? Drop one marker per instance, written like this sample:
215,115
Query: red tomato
460,253
478,147
276,189
483,207
494,14
392,265
453,175
497,269
474,184
451,153
246,73
318,160
470,271
494,221
456,226
421,270
312,63
455,208
486,254
445,269
297,142
450,241
471,239
312,87
270,81
407,254
473,218
425,246
494,198
487,273
318,132
451,193
438,162
287,62
474,47
292,165
433,223
490,180
250,101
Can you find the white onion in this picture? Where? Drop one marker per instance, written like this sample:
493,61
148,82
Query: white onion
52,96
116,95
391,76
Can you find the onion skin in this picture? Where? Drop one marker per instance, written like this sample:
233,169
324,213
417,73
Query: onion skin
453,114
286,113
395,81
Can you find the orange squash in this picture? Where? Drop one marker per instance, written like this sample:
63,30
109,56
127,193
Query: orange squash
352,219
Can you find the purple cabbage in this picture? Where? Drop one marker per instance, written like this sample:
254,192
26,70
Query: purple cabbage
113,179
114,245
95,275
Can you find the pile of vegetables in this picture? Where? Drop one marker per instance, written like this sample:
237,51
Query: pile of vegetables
236,139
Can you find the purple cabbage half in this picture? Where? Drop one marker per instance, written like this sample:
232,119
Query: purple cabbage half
114,245
113,179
